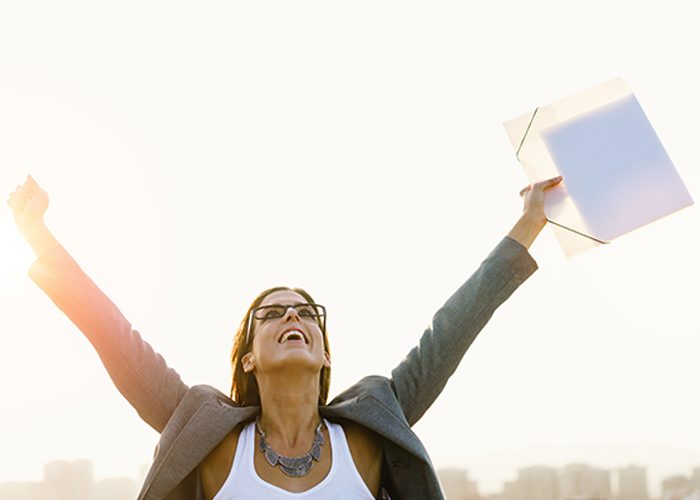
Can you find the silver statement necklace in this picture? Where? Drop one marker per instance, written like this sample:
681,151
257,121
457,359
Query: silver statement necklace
292,466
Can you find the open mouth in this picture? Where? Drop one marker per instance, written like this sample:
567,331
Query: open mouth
293,335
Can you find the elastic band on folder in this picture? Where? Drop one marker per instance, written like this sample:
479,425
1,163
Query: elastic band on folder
517,156
532,119
577,232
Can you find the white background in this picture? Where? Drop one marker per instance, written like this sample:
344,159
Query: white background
196,154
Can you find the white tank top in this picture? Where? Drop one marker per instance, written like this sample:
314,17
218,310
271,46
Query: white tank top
343,481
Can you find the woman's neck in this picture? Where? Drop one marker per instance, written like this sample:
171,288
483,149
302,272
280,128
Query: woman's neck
289,414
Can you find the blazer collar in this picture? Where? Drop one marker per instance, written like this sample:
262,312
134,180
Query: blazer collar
214,419
192,445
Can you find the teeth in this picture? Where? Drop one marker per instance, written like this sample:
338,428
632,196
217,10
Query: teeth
288,334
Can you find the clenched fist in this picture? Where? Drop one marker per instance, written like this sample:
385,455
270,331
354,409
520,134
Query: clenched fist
28,203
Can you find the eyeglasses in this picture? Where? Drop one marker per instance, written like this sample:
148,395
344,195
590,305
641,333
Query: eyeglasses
277,311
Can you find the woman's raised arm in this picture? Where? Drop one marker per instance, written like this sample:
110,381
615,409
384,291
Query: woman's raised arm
140,373
421,376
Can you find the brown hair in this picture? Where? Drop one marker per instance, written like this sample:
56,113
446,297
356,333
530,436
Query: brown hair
244,387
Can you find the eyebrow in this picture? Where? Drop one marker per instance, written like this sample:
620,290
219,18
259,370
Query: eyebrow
286,305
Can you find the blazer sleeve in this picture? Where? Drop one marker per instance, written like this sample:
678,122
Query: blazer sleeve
140,373
421,376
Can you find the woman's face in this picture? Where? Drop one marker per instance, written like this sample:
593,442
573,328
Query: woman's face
293,340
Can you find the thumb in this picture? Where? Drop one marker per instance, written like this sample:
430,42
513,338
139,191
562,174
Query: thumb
525,190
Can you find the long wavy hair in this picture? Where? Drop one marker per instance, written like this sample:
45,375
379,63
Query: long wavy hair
244,387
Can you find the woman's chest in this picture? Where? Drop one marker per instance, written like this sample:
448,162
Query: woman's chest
363,450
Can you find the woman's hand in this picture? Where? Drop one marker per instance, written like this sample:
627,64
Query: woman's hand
533,219
533,199
29,203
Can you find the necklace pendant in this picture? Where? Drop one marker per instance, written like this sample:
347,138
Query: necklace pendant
316,451
292,466
296,472
271,456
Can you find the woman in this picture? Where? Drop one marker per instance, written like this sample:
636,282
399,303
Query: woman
275,436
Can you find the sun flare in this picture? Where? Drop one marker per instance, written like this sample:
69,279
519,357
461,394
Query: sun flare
15,255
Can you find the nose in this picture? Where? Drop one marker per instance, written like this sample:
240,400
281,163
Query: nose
291,314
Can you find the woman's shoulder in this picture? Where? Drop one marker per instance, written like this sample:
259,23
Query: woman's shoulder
359,435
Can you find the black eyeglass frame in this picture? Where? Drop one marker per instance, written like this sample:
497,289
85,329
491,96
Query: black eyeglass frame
315,307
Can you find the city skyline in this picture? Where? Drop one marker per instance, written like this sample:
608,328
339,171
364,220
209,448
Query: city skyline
574,481
625,478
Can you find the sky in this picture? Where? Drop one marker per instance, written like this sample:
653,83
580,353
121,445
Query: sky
188,149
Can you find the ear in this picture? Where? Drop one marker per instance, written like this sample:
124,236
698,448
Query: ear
248,362
326,360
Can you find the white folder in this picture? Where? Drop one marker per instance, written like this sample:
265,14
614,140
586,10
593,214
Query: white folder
617,174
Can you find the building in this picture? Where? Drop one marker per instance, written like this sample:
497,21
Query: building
69,480
533,483
695,480
675,488
22,491
632,483
579,481
116,489
456,484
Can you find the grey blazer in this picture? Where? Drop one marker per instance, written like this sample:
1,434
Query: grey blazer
193,420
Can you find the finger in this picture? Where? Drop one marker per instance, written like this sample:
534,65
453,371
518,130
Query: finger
19,191
11,200
16,200
553,181
20,201
525,190
27,192
31,184
542,185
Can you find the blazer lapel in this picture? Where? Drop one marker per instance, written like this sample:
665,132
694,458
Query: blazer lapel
215,418
373,414
209,424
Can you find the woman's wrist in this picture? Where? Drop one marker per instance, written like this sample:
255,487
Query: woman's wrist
39,237
535,217
527,228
